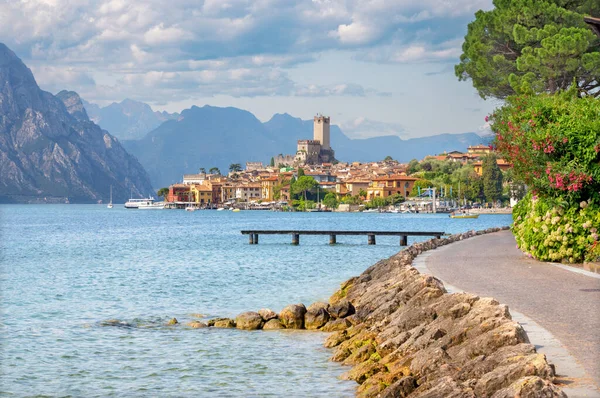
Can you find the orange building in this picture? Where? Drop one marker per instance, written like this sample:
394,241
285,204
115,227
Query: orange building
390,185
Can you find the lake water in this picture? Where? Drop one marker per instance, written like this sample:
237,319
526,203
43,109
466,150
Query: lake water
66,268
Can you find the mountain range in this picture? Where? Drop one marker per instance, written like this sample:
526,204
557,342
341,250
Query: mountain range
50,150
128,119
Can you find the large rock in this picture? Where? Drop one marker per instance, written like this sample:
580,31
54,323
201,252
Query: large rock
197,325
273,324
316,318
222,323
249,321
530,387
267,314
336,325
292,316
341,309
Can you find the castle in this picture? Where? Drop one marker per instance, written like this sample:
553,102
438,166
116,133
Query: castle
315,151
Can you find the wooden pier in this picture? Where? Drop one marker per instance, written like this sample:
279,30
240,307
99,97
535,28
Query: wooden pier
253,235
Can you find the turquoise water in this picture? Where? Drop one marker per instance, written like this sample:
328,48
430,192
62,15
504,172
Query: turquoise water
66,268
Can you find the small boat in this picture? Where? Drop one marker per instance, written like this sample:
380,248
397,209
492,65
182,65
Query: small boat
110,205
220,209
190,207
463,215
235,210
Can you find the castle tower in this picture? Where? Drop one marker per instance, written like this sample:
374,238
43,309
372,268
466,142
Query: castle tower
321,131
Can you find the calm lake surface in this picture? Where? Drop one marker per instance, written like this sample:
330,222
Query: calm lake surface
66,268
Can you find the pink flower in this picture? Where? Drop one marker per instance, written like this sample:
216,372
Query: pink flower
486,118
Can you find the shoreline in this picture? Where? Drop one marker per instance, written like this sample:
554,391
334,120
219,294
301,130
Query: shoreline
405,335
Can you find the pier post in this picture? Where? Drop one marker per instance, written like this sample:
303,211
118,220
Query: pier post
295,239
251,239
371,239
332,239
403,240
255,239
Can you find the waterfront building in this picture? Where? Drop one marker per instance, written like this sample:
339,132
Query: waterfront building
201,194
179,193
246,192
383,187
267,188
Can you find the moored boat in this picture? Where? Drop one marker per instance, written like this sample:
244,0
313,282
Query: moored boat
463,215
151,205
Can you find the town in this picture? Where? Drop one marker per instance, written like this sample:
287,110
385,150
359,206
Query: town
313,180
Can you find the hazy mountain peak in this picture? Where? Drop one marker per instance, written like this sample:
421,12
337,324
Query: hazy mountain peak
74,104
45,152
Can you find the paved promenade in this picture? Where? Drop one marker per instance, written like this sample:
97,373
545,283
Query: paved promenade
565,303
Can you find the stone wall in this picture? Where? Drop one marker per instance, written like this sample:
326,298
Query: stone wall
410,338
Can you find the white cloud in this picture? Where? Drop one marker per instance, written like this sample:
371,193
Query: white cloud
160,34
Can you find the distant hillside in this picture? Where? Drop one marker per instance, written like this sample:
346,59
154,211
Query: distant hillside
128,119
49,149
202,137
216,137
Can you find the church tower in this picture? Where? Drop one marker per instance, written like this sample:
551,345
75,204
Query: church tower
321,131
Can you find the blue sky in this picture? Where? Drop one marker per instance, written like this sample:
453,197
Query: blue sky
375,66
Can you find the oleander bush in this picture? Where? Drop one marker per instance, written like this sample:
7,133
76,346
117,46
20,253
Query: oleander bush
553,141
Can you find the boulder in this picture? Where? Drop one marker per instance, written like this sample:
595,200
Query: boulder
249,320
267,314
317,305
222,323
316,318
273,324
197,324
530,387
341,309
336,325
292,316
401,388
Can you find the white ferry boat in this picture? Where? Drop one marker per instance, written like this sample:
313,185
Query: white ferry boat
145,203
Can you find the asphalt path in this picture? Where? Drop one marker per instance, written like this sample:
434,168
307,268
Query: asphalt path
564,302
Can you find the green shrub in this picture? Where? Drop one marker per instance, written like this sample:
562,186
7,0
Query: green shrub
551,230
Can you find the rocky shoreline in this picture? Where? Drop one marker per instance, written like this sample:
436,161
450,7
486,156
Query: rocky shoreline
405,336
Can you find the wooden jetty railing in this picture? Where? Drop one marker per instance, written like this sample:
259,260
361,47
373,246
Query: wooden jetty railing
253,234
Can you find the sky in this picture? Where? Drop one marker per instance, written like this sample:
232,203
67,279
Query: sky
376,67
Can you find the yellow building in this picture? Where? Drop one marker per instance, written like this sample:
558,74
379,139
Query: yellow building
351,187
390,185
267,188
201,193
502,164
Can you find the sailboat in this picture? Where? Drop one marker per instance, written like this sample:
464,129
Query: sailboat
110,205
